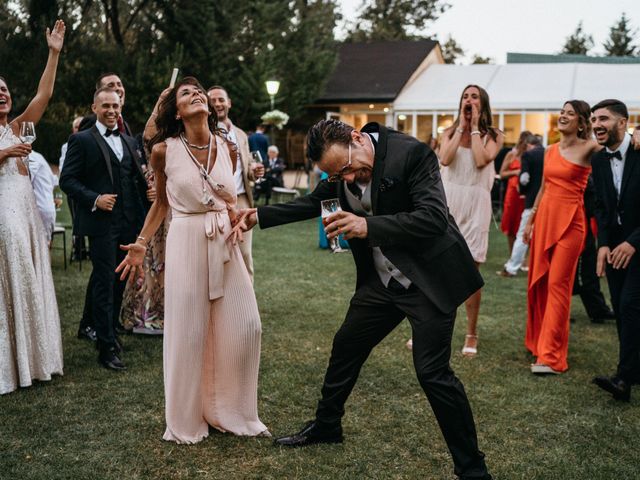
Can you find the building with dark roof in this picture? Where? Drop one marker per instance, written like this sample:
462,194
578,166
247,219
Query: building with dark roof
369,77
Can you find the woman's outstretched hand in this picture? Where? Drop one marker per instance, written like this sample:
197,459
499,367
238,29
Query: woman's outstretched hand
132,263
55,37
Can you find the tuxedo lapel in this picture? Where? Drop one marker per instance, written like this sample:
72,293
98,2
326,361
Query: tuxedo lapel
134,154
630,163
378,166
102,145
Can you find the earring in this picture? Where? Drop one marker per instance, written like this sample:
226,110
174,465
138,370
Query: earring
177,117
580,129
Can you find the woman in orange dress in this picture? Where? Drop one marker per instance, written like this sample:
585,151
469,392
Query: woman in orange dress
513,201
557,230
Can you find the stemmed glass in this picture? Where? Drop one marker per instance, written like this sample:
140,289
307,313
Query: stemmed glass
329,207
27,135
256,157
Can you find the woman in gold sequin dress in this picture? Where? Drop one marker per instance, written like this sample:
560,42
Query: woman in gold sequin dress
30,341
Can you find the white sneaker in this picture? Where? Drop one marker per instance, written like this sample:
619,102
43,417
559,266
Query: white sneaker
541,369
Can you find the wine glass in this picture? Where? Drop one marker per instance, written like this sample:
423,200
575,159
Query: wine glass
27,135
329,207
256,157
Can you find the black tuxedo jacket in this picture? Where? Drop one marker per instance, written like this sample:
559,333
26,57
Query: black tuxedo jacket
532,162
608,206
88,173
410,222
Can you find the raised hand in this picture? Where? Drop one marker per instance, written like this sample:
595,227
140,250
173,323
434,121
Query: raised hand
132,263
55,37
475,117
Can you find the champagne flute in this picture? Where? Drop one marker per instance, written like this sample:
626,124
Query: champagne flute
329,207
27,135
256,157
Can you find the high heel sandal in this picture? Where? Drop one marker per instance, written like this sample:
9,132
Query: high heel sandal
470,351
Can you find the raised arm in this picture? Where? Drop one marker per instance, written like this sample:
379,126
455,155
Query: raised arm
150,128
485,152
449,146
38,105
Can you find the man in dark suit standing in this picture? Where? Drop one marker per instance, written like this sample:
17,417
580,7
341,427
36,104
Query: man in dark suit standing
411,261
103,176
258,141
616,174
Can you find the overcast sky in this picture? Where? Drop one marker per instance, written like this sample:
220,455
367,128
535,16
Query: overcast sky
492,28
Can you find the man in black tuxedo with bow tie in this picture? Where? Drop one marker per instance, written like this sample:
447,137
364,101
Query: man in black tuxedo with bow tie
103,176
411,261
616,174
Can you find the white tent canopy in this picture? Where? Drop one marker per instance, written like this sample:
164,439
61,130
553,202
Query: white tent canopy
522,86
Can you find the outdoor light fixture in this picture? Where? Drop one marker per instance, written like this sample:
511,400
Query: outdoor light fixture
402,117
385,109
371,105
272,89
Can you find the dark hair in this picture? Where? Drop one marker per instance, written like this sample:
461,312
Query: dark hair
614,106
2,78
167,123
324,134
534,140
484,125
584,117
99,81
102,90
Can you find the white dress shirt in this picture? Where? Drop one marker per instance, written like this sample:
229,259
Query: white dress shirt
114,141
238,178
617,166
43,182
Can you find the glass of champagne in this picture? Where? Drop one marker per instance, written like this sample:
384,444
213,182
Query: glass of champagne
27,135
329,207
256,157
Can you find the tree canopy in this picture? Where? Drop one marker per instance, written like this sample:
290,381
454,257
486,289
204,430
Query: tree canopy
620,41
395,19
578,42
236,44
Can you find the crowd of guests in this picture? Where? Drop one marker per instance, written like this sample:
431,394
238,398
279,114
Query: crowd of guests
172,212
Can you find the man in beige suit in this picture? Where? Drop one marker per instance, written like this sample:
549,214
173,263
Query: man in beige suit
245,170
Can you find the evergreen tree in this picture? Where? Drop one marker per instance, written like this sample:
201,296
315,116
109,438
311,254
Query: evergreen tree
578,42
394,19
479,59
620,42
451,50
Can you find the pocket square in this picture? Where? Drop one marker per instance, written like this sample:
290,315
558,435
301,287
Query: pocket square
388,183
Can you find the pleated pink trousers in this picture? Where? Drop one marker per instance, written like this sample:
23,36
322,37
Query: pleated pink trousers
211,348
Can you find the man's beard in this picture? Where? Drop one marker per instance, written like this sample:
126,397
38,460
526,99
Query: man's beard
612,138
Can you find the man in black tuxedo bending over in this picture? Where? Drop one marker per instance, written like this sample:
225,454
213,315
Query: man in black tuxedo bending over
103,176
411,261
616,174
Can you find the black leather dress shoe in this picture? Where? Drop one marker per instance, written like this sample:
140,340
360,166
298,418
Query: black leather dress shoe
615,386
87,333
602,316
310,435
111,361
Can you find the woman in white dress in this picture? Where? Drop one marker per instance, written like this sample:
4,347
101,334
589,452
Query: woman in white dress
30,341
467,152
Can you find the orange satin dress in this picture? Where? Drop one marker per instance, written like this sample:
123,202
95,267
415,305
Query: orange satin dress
513,203
558,237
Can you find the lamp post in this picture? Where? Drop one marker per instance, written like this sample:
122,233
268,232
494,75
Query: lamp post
272,89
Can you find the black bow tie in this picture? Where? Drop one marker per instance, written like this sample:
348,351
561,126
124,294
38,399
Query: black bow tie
612,155
115,132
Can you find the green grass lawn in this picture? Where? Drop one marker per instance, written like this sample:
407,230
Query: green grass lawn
95,424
